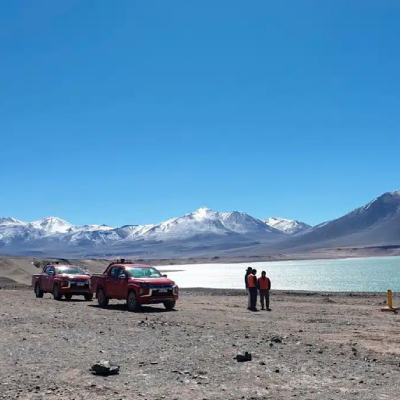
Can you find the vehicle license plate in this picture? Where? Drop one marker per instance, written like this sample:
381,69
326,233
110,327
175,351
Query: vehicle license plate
80,283
163,290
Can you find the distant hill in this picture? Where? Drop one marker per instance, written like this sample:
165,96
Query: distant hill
375,224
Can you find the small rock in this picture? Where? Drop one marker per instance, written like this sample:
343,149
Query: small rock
277,371
262,363
243,358
105,368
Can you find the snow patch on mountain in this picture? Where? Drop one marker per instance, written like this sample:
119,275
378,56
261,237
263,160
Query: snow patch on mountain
241,222
287,226
53,225
11,221
94,227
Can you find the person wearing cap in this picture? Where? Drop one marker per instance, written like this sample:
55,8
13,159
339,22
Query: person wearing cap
246,282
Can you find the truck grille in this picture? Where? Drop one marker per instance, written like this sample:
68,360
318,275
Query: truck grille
161,290
79,284
160,286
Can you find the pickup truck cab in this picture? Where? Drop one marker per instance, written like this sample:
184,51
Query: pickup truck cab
136,283
62,280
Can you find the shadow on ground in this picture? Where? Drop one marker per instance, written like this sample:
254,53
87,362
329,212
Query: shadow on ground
142,310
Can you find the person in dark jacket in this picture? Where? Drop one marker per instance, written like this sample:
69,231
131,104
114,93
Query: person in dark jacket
252,281
248,272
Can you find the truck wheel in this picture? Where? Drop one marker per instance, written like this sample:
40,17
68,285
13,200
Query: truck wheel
102,299
56,293
89,297
132,303
169,305
68,297
38,291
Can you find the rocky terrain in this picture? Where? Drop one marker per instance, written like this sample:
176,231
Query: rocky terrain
311,346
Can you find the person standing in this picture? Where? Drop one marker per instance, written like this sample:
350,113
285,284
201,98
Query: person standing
246,282
252,280
264,286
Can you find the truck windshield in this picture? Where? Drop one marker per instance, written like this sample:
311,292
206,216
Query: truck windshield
143,273
70,271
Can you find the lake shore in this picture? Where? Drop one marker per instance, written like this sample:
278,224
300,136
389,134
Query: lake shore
20,269
311,346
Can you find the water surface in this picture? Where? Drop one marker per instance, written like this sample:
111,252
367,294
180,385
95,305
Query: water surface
348,275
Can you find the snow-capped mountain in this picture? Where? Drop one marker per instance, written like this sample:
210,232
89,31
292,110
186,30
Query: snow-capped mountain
205,232
288,226
53,225
232,228
208,222
11,221
15,231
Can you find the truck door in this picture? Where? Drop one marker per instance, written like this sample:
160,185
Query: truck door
121,288
47,281
51,272
43,278
112,281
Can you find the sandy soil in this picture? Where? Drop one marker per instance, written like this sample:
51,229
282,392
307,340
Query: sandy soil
311,346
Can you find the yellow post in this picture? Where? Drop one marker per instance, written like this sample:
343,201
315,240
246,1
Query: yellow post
389,306
389,302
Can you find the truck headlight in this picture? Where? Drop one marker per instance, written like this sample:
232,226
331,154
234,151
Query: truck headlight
175,289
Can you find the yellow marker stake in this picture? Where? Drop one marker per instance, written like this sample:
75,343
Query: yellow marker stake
390,304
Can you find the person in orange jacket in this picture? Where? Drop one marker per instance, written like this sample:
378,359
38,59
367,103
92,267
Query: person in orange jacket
264,286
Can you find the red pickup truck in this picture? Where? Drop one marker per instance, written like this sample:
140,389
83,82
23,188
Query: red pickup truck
137,284
62,280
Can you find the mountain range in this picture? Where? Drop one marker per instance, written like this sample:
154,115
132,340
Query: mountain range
205,232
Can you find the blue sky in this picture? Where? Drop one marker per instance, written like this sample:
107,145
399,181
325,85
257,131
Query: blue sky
138,111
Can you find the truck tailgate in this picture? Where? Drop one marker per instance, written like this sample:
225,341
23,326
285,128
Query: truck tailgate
95,280
35,278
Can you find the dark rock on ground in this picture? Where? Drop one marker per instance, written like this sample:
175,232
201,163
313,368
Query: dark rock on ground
105,368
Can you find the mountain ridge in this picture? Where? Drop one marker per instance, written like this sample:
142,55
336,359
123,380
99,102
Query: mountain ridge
207,232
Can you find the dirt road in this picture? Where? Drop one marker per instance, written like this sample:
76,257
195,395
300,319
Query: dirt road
308,347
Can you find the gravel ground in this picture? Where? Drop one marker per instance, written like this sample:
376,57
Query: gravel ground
311,346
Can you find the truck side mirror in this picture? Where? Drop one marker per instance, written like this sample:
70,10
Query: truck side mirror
121,276
165,276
